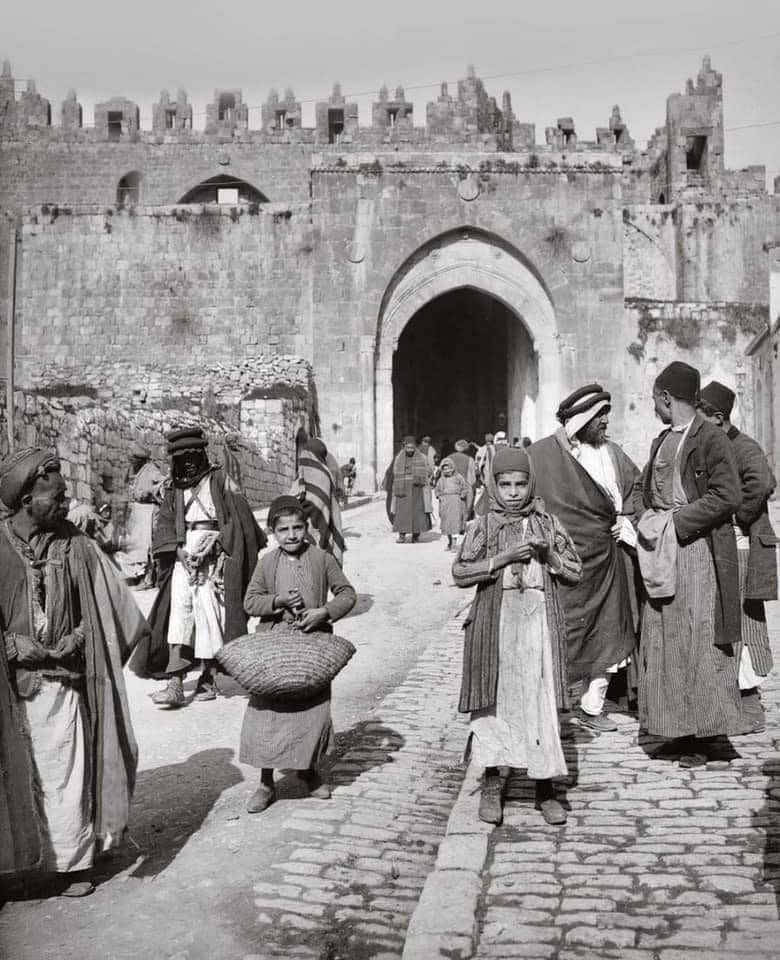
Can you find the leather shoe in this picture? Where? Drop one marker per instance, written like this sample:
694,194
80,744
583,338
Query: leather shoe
600,723
490,807
172,695
262,798
552,811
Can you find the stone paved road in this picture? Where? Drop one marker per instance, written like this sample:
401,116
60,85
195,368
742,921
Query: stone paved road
655,863
207,881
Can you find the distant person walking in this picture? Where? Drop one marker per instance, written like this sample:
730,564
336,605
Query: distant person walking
406,480
452,492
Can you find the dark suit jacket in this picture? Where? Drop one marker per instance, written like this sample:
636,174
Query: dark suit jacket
758,483
710,479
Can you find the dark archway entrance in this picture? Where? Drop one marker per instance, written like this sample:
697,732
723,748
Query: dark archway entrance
463,366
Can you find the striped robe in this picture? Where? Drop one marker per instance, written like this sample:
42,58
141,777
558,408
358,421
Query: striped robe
318,486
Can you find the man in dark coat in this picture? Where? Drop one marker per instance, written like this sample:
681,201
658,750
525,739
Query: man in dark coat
588,483
206,543
756,550
688,691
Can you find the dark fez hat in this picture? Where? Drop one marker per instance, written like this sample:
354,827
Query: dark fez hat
186,438
719,397
681,380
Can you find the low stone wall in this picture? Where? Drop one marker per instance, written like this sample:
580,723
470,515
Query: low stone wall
92,415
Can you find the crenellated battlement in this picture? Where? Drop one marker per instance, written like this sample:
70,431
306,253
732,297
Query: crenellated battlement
469,116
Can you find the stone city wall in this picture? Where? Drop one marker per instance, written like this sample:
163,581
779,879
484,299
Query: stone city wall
710,336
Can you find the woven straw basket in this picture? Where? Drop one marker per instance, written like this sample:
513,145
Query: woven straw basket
285,664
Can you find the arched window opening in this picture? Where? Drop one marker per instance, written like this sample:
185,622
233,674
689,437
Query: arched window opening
224,189
128,189
227,105
661,198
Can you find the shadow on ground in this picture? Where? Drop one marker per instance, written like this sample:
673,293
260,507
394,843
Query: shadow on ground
766,822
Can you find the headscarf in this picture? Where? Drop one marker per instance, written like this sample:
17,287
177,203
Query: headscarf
283,505
20,471
186,438
506,460
580,407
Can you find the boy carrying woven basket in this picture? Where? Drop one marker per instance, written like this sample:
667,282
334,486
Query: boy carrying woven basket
289,588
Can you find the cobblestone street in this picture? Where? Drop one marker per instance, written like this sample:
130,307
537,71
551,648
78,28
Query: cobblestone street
655,862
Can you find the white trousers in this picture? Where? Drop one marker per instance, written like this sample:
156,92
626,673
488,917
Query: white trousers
592,700
57,725
197,612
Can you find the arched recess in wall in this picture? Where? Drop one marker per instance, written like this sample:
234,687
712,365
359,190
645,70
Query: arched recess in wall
224,189
128,190
469,278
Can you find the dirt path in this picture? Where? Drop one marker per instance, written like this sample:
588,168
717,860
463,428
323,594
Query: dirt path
185,887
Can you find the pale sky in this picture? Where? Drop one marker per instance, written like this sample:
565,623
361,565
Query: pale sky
556,59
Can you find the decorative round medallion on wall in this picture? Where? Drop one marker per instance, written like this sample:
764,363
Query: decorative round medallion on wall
580,252
468,189
223,160
355,253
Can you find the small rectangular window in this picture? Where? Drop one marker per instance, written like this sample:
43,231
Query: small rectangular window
170,119
227,195
335,125
696,151
115,118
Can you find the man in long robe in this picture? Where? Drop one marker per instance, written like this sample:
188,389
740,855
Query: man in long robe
588,483
206,543
408,479
691,624
756,551
67,625
144,480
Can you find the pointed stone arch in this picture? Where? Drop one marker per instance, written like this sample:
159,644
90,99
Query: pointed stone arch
474,259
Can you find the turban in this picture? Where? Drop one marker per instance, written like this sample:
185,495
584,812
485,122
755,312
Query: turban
20,471
580,407
507,459
187,438
681,380
410,439
461,445
139,451
500,436
719,397
282,506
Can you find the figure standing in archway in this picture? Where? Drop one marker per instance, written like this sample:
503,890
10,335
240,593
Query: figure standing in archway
408,479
